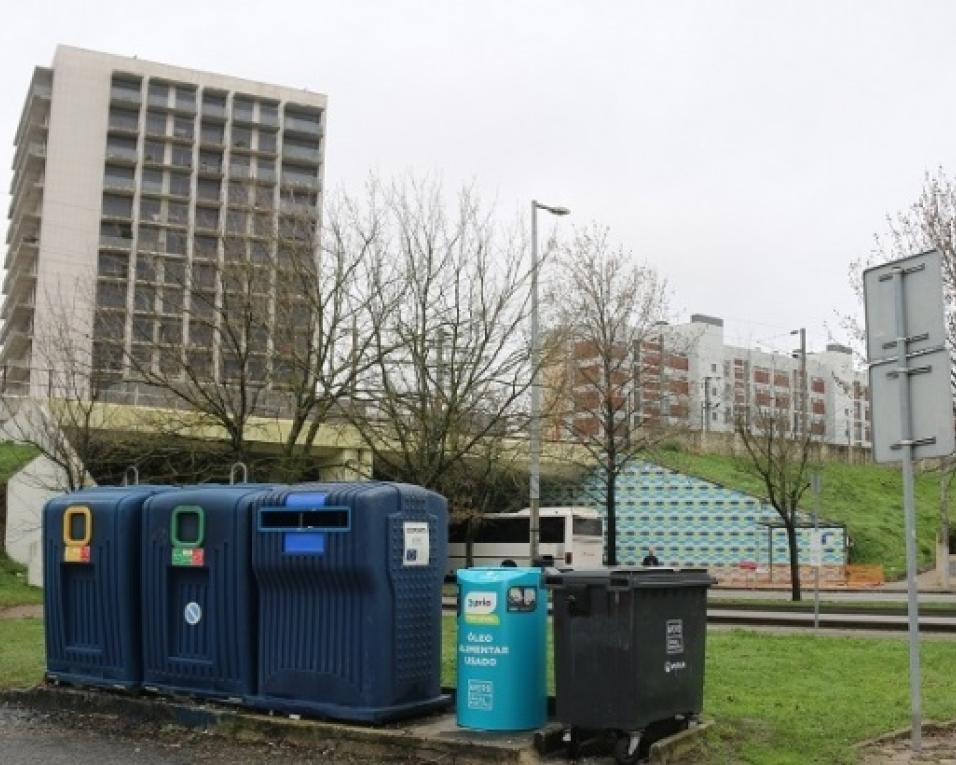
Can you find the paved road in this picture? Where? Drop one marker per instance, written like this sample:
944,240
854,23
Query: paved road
29,737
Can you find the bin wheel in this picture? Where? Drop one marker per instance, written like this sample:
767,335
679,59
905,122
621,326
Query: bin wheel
573,740
627,749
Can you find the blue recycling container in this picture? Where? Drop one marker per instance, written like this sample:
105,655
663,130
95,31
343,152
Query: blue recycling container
199,600
502,647
349,578
91,598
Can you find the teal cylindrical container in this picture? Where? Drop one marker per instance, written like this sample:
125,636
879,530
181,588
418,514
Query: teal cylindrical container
502,627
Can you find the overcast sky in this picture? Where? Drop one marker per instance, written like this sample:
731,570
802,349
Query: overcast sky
748,150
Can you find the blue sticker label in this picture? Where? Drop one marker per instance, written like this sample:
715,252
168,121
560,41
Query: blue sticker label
305,499
304,542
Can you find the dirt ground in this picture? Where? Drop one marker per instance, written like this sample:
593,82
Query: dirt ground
939,748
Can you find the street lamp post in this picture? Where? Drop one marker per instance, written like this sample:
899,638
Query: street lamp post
534,468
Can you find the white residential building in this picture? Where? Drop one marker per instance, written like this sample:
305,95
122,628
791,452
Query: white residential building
728,381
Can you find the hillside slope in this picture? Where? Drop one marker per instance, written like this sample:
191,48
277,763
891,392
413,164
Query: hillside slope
867,498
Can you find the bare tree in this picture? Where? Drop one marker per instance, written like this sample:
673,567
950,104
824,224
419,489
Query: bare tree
259,336
783,461
62,411
929,223
605,305
450,365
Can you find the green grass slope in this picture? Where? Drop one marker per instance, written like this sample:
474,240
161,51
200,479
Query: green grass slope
867,498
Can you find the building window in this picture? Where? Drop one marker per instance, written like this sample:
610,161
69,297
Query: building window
183,127
241,138
179,185
110,294
178,213
185,98
118,178
145,268
144,298
175,242
205,246
158,94
207,218
182,156
213,104
113,265
267,141
210,161
242,109
207,190
154,151
155,123
123,119
117,207
153,181
213,133
119,147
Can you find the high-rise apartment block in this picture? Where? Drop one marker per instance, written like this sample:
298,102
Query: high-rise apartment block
133,183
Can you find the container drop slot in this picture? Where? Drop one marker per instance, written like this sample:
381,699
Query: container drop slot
313,519
187,526
77,526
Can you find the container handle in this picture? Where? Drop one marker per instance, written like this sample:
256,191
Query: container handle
618,583
132,469
239,466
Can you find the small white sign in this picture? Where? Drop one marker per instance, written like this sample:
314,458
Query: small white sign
816,548
192,613
416,552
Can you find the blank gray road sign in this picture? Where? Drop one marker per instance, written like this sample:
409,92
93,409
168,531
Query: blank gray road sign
931,407
923,296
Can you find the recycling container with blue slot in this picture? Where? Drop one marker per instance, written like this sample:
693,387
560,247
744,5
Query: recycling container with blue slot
199,600
91,596
502,645
349,577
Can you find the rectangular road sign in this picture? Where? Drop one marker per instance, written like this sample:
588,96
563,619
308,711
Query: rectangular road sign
931,407
922,296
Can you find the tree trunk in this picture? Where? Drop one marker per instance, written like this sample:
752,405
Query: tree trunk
794,562
610,507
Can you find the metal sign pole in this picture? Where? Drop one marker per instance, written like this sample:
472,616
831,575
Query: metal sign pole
818,547
906,445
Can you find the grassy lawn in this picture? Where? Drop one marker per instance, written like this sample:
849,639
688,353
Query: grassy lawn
831,606
14,590
868,498
13,457
21,652
776,699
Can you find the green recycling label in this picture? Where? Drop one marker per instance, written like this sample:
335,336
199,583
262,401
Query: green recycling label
188,556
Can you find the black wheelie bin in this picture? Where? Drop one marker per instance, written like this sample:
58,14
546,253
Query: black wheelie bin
628,652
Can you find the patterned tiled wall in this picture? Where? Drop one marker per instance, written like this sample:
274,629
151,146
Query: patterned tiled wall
691,522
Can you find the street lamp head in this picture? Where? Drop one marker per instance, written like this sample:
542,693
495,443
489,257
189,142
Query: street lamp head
554,210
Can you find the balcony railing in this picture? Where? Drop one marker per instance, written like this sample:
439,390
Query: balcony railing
302,125
125,155
115,242
305,153
127,95
119,184
300,182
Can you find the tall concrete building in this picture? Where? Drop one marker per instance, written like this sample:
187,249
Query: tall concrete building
133,183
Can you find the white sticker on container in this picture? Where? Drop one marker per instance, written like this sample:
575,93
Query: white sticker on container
415,552
192,613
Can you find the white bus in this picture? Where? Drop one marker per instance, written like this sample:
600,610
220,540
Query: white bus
572,536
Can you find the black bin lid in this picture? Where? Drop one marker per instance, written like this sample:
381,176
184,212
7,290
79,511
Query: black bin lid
628,578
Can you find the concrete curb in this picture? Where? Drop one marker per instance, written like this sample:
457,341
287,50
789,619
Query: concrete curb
672,748
929,726
427,739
